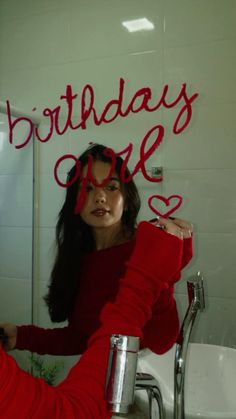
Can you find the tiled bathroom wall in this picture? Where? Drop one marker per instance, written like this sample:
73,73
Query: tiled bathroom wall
16,230
46,45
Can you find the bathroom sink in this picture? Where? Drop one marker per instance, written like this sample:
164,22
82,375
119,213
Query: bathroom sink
210,381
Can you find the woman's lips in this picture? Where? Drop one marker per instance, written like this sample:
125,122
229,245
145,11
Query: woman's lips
99,212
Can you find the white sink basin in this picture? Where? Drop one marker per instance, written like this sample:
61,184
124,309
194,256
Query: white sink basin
210,381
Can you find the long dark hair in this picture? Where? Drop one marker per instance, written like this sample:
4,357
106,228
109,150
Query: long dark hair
74,237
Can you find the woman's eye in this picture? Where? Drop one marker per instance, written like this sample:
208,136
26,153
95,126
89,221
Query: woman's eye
89,188
112,187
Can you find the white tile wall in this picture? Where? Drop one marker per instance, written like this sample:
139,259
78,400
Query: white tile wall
49,82
16,210
188,22
15,161
46,253
52,150
208,197
103,21
50,35
214,256
48,209
203,143
208,67
16,200
54,43
15,299
16,252
27,8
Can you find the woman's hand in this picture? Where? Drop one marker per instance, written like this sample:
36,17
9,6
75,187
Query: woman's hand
186,227
10,333
176,226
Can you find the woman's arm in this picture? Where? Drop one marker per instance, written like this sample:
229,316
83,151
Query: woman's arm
57,341
157,256
161,331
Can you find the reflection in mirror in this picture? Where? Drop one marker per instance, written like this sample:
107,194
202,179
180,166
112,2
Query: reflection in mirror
95,237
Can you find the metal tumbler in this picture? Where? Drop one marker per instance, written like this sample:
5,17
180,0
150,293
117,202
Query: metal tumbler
121,373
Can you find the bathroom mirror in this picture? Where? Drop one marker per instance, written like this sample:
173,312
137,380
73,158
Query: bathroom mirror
149,45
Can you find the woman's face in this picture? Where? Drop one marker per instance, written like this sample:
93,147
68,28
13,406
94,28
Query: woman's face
103,206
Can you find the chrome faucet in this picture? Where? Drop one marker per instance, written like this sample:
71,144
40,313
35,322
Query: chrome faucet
196,304
150,384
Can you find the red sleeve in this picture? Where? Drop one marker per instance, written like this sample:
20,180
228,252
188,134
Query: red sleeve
186,257
187,252
161,331
80,395
56,341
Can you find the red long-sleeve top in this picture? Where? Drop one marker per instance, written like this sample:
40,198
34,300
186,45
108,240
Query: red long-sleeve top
100,276
81,394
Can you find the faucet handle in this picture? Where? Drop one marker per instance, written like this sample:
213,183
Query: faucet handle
195,286
196,280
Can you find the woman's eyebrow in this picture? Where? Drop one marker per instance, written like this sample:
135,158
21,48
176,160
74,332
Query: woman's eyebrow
115,178
106,180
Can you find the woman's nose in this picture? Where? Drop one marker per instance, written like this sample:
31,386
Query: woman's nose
100,196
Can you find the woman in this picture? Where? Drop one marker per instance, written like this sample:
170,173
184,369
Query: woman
94,246
81,395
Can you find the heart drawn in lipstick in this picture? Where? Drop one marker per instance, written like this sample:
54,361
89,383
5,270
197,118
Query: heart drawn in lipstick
166,202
